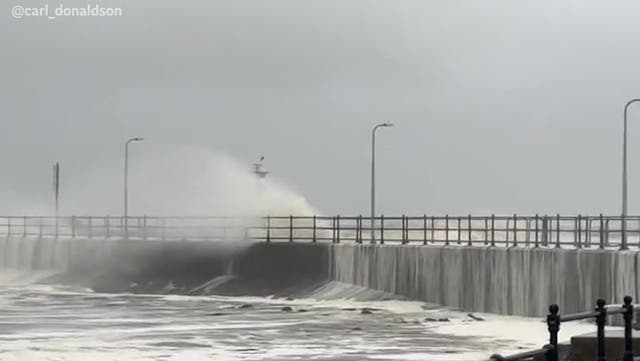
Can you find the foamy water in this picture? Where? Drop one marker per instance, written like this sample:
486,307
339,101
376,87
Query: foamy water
43,322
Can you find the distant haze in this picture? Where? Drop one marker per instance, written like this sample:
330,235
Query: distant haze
500,106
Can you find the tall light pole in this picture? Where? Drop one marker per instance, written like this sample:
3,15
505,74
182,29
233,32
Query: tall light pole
624,176
373,178
126,185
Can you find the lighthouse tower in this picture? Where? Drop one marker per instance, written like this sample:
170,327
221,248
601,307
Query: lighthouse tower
258,169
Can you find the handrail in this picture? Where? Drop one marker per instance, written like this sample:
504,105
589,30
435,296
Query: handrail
450,230
600,313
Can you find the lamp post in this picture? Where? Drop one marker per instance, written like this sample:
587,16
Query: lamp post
126,185
373,178
624,176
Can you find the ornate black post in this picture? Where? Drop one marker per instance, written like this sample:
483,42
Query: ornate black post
628,319
553,324
601,319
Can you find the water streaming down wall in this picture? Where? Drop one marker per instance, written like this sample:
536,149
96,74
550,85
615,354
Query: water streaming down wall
32,253
517,281
514,281
183,267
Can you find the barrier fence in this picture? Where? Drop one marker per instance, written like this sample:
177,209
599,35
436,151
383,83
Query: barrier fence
549,352
516,230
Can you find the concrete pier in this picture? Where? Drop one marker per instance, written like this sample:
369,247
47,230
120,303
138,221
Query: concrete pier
513,281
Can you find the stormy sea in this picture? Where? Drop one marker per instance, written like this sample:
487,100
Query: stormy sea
41,321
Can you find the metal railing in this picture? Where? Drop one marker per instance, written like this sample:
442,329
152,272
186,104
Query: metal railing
143,227
554,320
515,230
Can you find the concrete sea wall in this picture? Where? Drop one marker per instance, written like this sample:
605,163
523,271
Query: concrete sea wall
512,281
151,266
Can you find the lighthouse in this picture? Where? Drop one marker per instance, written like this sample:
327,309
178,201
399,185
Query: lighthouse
258,169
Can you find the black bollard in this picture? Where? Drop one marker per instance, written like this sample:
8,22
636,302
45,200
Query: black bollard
496,357
553,324
601,319
628,319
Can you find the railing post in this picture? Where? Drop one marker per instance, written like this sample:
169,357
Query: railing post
290,228
40,226
553,325
424,229
433,229
164,228
446,230
9,226
545,231
628,319
90,227
359,229
459,230
486,231
269,227
557,231
404,229
469,229
588,231
382,229
333,229
579,231
106,226
144,227
601,319
73,226
515,230
527,231
24,226
601,231
338,228
493,230
314,229
536,245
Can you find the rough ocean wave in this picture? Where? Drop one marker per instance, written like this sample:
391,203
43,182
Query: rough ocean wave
334,322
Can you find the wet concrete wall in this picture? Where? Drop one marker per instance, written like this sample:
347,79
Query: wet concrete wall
513,281
116,265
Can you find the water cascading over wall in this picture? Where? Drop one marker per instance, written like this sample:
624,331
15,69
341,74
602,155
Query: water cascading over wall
32,253
513,281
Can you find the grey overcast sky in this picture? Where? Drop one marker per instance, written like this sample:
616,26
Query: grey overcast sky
501,105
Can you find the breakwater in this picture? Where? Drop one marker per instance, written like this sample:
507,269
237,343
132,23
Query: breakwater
512,281
502,280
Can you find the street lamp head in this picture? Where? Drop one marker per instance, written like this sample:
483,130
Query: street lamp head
136,139
385,124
